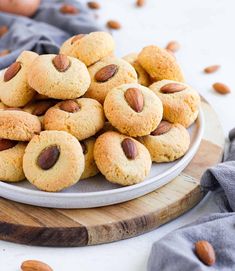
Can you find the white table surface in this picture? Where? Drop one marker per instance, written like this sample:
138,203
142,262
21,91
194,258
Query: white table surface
205,32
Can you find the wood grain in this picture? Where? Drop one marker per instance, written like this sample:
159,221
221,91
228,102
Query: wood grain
31,225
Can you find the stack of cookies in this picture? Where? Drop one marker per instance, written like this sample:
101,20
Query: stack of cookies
69,116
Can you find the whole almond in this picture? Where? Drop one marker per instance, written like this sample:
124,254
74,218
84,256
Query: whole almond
12,71
172,88
77,37
113,24
106,73
211,69
129,148
173,46
135,99
221,88
69,106
162,128
48,157
4,52
93,5
6,144
69,9
41,108
33,265
61,62
3,30
140,3
205,252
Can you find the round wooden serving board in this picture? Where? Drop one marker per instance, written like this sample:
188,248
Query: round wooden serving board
31,225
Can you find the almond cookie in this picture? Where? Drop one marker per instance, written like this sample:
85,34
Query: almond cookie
53,161
133,109
121,159
14,88
18,125
59,76
108,73
167,143
39,108
82,118
180,102
90,165
160,64
143,76
89,48
11,160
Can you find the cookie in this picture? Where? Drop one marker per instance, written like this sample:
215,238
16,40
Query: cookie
53,161
3,106
39,108
14,88
18,125
90,165
180,102
143,77
89,48
167,143
59,76
82,118
160,64
108,73
133,109
121,159
11,160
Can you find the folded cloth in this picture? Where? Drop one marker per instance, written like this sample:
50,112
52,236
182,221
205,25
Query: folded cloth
45,31
175,251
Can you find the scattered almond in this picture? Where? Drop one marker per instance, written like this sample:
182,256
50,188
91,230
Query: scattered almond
106,73
3,30
12,71
129,148
113,24
4,52
140,3
135,99
162,128
61,62
33,265
69,9
172,88
173,46
221,88
211,69
205,252
93,5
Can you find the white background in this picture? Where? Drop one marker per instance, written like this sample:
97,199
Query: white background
205,30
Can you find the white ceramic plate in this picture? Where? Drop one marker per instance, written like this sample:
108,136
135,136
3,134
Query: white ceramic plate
96,191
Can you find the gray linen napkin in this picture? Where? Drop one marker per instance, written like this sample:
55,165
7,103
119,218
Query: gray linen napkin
175,251
45,32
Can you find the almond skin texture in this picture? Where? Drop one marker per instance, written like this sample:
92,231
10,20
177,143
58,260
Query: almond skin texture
135,99
205,252
69,9
113,25
106,73
93,5
173,46
77,37
33,265
172,88
211,69
3,30
6,144
48,157
129,148
140,3
69,106
61,63
42,107
12,71
4,52
162,128
221,88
